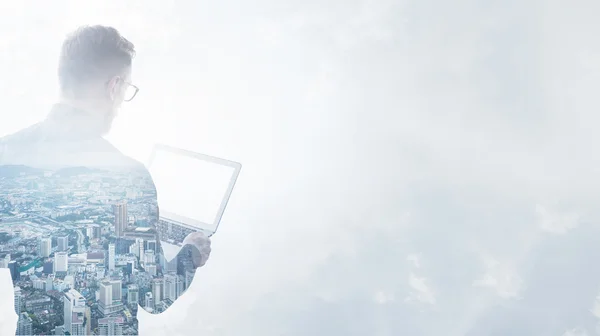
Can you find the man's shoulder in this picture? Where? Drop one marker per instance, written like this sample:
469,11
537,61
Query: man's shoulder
125,162
32,147
19,141
24,135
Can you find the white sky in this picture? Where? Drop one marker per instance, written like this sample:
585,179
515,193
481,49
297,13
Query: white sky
428,166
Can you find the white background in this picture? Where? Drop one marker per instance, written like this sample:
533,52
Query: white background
410,167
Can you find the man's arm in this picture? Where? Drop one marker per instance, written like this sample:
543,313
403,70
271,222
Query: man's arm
175,275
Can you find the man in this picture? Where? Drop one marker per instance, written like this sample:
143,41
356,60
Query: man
77,217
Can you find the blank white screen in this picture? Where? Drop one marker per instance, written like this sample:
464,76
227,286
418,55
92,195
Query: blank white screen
188,186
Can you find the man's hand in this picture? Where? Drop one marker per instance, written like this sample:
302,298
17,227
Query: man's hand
200,247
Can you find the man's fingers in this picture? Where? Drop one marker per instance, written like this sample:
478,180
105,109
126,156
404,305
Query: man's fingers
202,247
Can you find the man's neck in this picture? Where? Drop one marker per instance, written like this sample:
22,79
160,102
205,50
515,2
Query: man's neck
87,107
81,116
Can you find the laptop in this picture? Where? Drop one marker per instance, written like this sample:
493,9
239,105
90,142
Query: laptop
192,190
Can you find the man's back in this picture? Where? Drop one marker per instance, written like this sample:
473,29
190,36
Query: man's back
77,231
77,217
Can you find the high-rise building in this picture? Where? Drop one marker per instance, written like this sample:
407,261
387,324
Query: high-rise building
132,264
109,303
150,269
179,285
88,321
151,245
133,294
106,291
149,302
117,292
89,232
61,262
171,266
62,243
111,257
24,325
111,326
48,267
141,252
4,260
78,322
121,219
50,282
189,276
18,300
139,243
13,266
134,249
97,231
149,257
74,312
45,247
38,283
157,290
171,292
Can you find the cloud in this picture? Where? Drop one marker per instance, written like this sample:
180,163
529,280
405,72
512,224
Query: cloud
382,297
576,332
501,277
414,260
554,222
420,290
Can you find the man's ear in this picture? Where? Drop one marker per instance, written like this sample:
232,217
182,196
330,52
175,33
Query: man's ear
112,87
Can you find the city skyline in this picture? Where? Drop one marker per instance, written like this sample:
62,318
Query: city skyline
83,251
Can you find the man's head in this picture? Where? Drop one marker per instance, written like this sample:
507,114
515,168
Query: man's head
94,70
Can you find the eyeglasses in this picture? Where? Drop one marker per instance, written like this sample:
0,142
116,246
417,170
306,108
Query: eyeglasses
130,91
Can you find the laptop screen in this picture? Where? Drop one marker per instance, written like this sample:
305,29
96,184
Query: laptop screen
192,188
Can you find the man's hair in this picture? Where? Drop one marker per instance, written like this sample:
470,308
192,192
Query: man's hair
92,53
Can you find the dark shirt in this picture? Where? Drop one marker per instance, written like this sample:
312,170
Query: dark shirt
78,231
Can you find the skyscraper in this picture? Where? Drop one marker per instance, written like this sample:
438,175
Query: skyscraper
157,290
13,266
150,269
149,302
141,252
111,326
45,247
133,294
74,312
48,267
134,249
4,260
110,301
117,292
61,262
78,322
151,245
189,276
62,243
18,300
120,210
171,286
111,257
24,325
89,232
171,266
106,291
88,321
149,257
179,285
50,282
